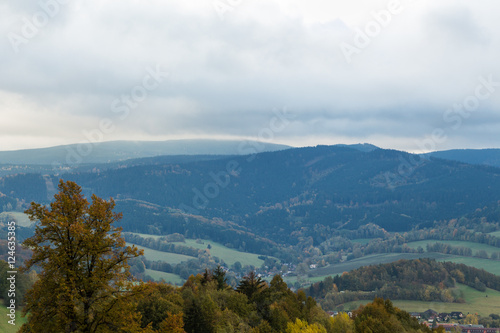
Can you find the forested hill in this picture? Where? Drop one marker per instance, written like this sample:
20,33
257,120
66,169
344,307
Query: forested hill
300,192
300,188
489,157
112,151
419,280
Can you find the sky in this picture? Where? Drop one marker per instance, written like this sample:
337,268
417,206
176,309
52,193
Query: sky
411,75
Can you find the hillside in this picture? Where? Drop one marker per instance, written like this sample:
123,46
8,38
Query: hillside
112,151
490,157
337,187
415,280
304,192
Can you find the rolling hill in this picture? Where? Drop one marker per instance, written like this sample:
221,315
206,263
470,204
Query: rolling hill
490,157
112,151
301,192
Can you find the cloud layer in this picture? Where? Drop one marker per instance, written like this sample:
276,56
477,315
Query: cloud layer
67,66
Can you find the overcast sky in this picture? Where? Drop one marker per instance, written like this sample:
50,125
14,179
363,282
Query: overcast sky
410,75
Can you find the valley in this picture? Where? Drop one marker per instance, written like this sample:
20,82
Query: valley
307,213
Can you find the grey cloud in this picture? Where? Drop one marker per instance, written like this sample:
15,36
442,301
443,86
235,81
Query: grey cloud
227,76
456,25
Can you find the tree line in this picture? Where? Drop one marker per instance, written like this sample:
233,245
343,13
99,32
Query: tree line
419,280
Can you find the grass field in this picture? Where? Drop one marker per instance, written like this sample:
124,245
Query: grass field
171,258
492,266
309,280
146,235
321,273
495,233
373,259
473,246
168,277
230,256
476,302
21,218
5,327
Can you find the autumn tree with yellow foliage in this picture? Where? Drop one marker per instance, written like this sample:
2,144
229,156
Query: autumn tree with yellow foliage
84,284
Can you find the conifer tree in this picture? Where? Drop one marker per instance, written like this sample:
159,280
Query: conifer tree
251,284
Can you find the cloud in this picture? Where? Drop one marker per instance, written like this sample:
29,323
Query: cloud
226,76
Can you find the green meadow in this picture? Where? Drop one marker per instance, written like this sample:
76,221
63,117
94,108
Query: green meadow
495,233
171,258
492,266
482,303
372,259
168,277
230,256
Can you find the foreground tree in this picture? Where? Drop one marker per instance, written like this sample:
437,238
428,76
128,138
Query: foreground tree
303,327
84,284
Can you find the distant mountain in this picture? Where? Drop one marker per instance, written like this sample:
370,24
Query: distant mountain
112,151
489,157
297,193
364,147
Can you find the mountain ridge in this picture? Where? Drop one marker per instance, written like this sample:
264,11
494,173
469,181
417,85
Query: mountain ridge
488,156
113,151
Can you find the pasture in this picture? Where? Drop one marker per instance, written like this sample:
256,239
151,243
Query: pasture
482,303
230,256
154,255
168,277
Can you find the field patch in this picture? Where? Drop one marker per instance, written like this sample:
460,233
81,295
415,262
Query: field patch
146,235
495,233
154,255
482,303
374,259
168,277
230,256
492,266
